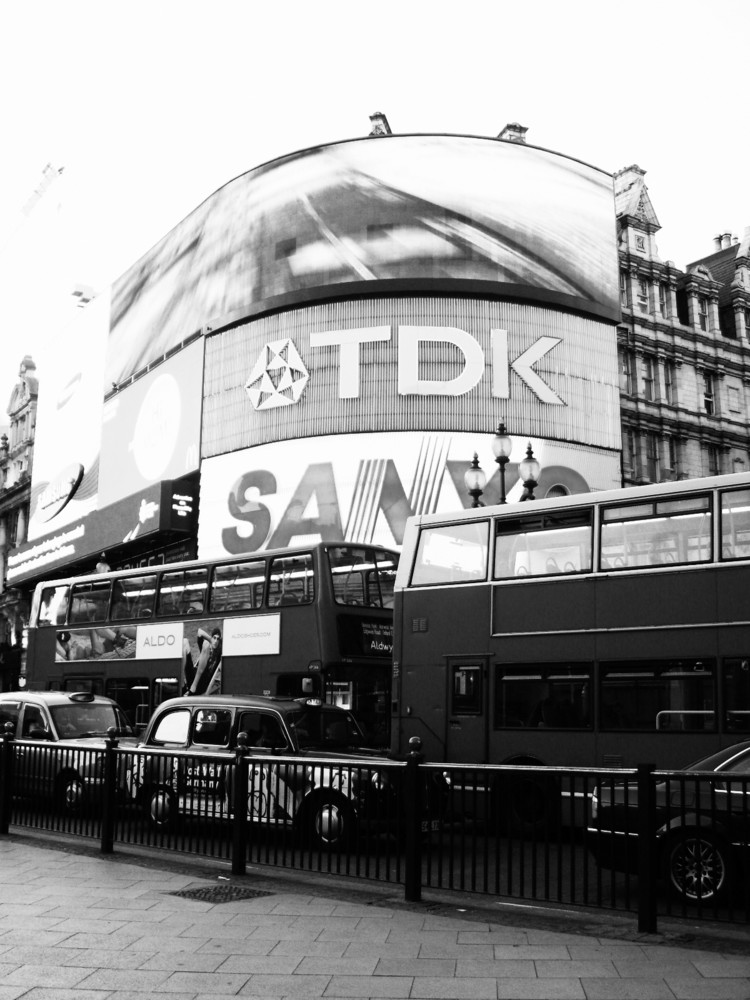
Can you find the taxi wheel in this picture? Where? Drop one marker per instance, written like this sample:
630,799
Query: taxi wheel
329,821
71,792
161,806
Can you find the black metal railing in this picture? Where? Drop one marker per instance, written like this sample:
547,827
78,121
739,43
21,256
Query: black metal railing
647,842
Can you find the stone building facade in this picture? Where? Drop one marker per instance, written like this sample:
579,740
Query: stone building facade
684,350
16,454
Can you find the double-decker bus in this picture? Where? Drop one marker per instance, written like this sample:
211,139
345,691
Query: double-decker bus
606,629
313,621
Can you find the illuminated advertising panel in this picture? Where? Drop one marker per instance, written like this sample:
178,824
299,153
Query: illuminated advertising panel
412,363
65,473
166,506
151,428
343,218
362,487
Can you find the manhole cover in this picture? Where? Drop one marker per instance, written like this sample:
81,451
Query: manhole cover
220,893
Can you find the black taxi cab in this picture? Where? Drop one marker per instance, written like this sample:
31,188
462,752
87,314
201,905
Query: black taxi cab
330,799
59,738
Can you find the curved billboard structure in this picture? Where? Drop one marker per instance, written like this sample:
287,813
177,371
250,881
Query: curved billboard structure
328,338
395,213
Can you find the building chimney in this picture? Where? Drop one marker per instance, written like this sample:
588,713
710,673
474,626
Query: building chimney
380,124
513,132
717,242
726,240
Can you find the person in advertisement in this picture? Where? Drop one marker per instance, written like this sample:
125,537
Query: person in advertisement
207,679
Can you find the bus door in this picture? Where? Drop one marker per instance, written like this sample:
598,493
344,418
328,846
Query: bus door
467,724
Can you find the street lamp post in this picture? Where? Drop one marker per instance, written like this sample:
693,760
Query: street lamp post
475,481
529,469
501,449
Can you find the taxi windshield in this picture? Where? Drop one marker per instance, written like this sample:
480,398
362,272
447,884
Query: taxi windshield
320,728
80,719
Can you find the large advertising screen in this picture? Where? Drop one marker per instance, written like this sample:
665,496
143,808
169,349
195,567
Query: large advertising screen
151,429
330,220
412,363
67,443
362,487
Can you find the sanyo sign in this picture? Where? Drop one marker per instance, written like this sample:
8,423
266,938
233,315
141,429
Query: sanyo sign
410,340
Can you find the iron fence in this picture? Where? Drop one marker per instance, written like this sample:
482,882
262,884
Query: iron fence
642,841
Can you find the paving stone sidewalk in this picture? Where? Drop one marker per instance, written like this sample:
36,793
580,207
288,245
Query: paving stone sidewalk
81,925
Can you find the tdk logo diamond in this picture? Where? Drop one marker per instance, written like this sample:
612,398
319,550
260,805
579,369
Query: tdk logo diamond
278,378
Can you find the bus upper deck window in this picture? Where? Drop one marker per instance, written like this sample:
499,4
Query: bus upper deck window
238,586
735,525
54,605
182,593
666,532
543,544
90,602
452,553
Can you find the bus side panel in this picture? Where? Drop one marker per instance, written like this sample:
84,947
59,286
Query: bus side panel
559,605
41,670
687,597
250,672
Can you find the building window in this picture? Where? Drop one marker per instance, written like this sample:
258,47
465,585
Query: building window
642,295
709,399
626,369
675,457
653,469
703,312
733,399
648,366
747,322
640,243
623,288
663,298
670,383
713,460
629,454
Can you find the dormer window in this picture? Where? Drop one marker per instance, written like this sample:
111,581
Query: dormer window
703,312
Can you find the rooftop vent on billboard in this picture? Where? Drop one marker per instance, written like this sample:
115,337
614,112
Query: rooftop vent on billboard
513,132
380,124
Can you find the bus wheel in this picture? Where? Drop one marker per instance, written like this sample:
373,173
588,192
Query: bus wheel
162,808
527,805
698,866
329,821
71,792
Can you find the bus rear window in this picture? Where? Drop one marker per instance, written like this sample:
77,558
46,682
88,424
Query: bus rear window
452,553
362,576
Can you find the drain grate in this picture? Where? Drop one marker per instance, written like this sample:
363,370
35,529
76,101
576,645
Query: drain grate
220,893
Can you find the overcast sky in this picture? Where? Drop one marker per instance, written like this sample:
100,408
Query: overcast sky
150,106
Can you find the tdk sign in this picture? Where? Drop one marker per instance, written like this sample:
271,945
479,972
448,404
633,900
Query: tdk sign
280,376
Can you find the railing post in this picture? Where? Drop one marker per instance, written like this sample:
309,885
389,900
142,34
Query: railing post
6,777
413,814
109,805
239,804
646,850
